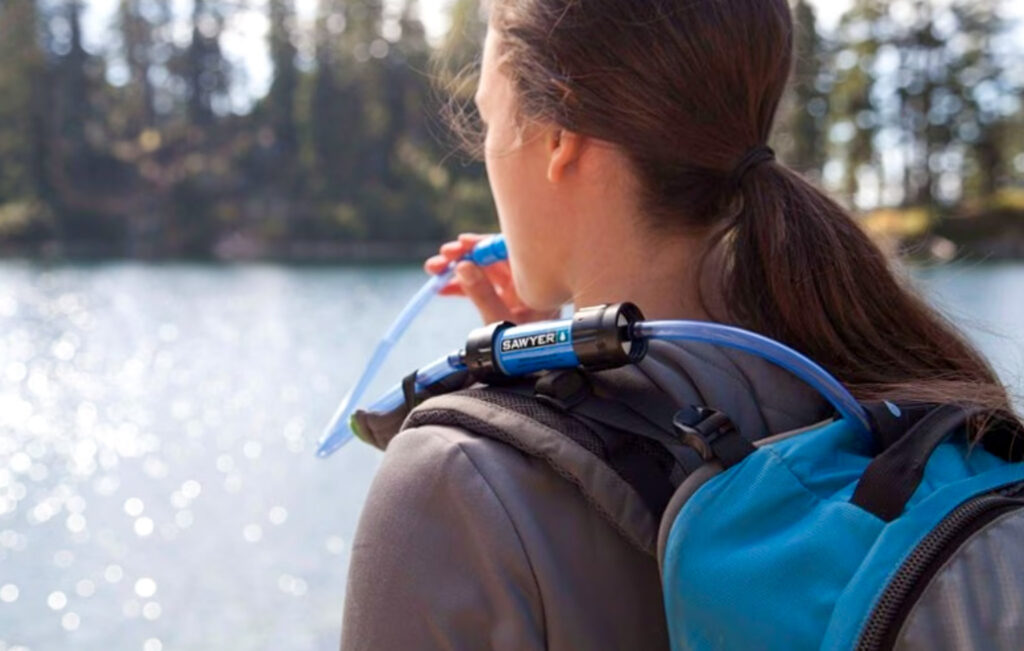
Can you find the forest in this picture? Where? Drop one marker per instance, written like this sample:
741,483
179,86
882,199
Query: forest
909,111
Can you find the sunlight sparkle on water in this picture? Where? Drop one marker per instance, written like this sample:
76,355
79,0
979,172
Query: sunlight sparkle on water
156,432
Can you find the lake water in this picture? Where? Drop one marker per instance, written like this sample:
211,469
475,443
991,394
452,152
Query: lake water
158,488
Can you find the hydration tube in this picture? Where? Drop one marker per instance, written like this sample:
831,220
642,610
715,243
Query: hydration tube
486,252
779,354
608,336
429,375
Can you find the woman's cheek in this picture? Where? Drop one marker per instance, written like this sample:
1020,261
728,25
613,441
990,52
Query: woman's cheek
527,219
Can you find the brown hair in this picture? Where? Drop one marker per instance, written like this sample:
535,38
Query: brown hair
686,89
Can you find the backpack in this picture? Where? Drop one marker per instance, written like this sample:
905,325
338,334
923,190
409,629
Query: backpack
820,538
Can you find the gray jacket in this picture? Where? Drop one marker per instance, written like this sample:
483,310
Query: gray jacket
466,542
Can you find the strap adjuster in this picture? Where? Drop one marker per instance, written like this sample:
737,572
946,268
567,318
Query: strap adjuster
712,435
564,388
409,390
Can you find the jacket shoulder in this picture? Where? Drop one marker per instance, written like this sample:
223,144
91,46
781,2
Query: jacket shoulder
437,561
526,519
542,446
605,594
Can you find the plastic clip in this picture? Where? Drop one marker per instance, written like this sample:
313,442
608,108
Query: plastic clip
712,435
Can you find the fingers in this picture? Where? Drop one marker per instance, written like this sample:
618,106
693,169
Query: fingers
455,249
492,290
452,289
488,288
500,275
436,264
450,251
478,287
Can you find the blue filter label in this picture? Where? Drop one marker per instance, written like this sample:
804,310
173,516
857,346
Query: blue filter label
523,342
534,347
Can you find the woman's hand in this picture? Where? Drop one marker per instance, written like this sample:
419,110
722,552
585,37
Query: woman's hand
490,288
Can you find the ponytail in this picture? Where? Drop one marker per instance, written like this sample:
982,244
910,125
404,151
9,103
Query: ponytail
799,269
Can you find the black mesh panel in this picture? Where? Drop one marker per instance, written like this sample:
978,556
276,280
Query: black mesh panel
642,463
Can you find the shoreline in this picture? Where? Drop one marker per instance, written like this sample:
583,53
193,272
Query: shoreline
313,253
1001,247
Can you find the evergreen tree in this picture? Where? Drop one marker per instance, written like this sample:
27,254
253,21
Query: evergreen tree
802,136
22,130
136,47
982,84
466,203
23,214
855,118
206,70
337,121
281,98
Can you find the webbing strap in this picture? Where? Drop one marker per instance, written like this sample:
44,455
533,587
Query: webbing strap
622,418
638,444
577,399
891,479
645,456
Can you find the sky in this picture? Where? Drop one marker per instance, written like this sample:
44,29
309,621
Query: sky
244,39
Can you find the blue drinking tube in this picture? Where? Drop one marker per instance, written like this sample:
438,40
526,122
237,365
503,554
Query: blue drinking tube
427,376
779,354
486,252
607,336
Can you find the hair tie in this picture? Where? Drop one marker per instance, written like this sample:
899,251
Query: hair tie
754,157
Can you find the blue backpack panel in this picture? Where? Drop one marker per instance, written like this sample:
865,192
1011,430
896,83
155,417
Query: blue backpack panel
819,540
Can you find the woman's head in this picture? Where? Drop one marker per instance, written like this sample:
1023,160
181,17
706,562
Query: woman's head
660,100
683,88
670,97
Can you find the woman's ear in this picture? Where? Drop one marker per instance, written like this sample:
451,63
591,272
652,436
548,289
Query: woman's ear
563,148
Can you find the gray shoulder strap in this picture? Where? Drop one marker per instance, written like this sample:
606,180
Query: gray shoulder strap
566,445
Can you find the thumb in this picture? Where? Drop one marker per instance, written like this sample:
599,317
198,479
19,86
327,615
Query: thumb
480,290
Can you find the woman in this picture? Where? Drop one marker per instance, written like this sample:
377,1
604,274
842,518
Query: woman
626,151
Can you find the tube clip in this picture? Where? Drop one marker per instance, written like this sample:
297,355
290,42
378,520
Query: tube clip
712,435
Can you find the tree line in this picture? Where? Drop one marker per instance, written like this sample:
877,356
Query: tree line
136,150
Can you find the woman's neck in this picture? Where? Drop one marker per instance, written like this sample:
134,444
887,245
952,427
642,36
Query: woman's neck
658,274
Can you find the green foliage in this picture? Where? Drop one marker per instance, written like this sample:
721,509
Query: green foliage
20,102
924,98
801,136
136,150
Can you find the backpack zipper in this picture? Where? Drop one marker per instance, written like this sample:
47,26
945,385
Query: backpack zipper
928,557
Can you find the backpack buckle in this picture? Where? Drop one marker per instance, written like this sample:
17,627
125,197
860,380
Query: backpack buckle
712,435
